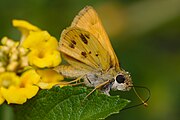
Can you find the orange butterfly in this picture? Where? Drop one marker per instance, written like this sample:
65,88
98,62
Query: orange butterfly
86,47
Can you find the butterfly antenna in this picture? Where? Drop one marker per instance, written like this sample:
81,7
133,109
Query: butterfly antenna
144,102
140,98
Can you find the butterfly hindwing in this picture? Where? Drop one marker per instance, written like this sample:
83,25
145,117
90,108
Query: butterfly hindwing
81,46
88,20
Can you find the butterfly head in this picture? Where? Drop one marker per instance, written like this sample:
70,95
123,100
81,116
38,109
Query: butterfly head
122,81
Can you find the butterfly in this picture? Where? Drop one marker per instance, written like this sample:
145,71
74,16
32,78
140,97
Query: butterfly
90,56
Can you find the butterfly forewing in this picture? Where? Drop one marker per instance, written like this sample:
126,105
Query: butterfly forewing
88,20
84,47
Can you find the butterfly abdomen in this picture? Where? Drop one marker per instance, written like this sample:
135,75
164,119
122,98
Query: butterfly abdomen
69,71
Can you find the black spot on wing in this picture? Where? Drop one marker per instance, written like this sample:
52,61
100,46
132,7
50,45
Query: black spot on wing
71,45
83,38
73,41
84,54
97,54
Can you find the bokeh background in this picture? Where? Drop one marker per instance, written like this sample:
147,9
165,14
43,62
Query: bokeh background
144,33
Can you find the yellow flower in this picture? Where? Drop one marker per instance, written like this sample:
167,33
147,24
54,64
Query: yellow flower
45,78
7,80
40,40
44,58
12,56
25,27
13,95
36,48
49,78
43,49
28,81
15,89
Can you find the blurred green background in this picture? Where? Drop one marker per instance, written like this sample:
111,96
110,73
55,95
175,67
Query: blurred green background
144,33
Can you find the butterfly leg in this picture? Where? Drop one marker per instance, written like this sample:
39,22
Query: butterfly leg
72,83
76,80
80,83
97,87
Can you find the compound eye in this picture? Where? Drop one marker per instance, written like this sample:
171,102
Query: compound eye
120,79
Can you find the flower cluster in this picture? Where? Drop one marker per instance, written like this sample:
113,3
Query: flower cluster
25,66
12,57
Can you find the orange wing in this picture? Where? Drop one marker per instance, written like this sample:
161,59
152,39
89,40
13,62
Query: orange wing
83,50
88,20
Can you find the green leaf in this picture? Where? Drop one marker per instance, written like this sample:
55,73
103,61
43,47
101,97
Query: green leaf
68,103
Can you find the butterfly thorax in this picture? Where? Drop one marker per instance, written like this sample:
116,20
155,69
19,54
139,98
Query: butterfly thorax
118,80
96,78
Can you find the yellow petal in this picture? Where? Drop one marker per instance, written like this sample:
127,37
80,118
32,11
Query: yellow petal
55,58
40,40
29,77
52,43
44,58
1,99
44,85
49,78
13,95
30,91
9,79
49,75
25,27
